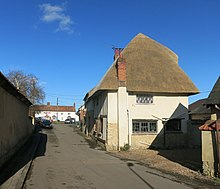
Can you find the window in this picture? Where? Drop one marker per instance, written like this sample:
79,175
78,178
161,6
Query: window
173,125
144,126
144,99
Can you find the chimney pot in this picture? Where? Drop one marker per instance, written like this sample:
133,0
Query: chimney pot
117,52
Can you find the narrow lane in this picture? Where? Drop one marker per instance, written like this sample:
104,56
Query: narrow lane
65,160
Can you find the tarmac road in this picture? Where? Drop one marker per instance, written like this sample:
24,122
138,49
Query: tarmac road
65,160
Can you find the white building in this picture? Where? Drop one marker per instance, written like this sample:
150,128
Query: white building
55,112
142,100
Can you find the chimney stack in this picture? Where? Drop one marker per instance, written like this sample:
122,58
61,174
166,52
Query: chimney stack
117,52
121,71
48,103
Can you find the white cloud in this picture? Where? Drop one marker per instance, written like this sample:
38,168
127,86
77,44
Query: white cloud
55,13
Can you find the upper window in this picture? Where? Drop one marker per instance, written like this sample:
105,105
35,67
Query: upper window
173,125
144,126
144,99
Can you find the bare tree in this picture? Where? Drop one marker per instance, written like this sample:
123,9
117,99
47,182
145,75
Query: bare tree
28,85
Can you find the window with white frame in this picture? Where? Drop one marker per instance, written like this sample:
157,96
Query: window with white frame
144,99
144,126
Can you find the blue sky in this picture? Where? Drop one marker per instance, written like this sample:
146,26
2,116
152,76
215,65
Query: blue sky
68,44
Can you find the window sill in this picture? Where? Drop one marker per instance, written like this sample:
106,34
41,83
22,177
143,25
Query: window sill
144,133
144,104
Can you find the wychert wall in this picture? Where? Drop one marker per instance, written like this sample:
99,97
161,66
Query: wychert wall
15,125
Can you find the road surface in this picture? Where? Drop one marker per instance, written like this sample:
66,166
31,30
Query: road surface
65,160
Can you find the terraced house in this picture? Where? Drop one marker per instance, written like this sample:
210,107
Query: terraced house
142,100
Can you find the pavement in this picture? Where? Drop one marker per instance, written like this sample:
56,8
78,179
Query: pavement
14,172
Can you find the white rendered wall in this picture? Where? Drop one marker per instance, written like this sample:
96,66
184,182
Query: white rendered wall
112,108
162,107
122,116
61,115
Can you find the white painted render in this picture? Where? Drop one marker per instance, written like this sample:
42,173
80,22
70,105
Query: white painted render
120,108
163,107
61,115
112,111
122,116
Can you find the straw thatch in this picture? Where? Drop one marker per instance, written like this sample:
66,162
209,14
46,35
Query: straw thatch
151,68
214,96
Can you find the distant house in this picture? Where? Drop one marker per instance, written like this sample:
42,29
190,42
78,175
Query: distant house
198,111
54,112
142,100
15,124
213,100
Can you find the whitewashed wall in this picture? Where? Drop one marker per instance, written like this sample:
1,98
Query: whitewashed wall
61,115
162,107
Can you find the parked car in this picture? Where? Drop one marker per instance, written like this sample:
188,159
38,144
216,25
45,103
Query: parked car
46,124
73,120
67,121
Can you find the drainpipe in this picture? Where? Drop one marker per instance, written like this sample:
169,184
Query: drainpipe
129,134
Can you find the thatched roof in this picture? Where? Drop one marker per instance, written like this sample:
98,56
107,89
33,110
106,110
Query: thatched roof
151,68
214,96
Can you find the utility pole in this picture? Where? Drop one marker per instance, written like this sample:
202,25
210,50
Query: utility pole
57,109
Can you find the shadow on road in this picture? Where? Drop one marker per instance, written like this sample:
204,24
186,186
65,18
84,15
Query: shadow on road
130,165
24,155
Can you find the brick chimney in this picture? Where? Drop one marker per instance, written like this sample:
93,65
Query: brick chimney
117,52
121,71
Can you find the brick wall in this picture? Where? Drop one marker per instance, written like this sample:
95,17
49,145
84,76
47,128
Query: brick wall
121,68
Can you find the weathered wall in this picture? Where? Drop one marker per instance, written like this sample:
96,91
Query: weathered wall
112,125
162,107
112,137
15,125
122,116
142,140
169,140
209,153
194,134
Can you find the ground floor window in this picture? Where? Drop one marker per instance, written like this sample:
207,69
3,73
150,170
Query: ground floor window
144,126
173,125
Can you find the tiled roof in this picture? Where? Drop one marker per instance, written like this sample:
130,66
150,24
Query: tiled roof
53,108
